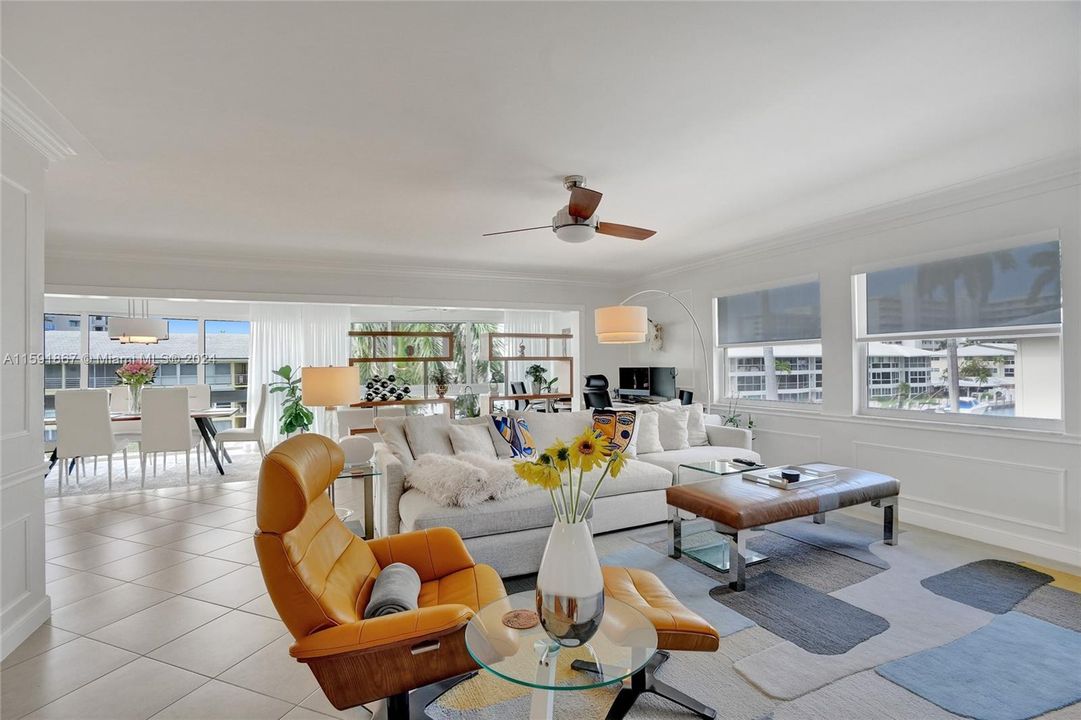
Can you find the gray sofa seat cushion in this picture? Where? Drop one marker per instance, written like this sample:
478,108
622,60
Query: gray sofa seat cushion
529,510
636,477
670,460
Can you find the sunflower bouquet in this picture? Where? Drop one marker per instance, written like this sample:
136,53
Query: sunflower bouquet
554,470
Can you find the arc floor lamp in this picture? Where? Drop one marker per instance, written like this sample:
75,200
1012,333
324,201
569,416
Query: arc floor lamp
627,324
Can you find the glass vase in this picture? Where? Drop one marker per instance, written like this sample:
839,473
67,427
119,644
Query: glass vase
570,587
135,399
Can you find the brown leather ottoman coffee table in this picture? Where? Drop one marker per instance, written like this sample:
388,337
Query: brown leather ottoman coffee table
735,505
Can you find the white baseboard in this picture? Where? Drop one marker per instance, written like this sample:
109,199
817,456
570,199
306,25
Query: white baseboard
980,533
16,632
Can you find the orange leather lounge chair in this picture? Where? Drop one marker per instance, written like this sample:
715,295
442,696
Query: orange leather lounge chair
320,577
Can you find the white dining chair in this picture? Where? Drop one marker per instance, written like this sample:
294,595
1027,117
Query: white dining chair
199,399
167,427
252,433
83,428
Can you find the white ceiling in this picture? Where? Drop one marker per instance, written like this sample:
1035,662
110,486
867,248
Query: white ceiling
391,133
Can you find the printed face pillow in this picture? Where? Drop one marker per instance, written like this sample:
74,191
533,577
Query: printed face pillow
516,432
616,428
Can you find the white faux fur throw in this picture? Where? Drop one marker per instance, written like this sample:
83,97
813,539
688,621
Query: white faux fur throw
464,480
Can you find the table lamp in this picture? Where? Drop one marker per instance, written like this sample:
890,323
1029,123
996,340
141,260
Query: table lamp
329,388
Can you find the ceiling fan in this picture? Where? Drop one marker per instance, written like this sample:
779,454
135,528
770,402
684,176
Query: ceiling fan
577,221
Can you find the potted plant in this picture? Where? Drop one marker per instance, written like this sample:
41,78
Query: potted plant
536,373
570,588
294,415
441,377
135,374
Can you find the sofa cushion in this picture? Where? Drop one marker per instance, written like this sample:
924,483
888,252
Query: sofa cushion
649,433
673,427
619,428
546,428
472,438
502,449
428,434
670,460
392,433
636,477
532,509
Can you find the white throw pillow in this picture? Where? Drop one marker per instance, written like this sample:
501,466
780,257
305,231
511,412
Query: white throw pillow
428,434
502,449
648,438
673,427
696,425
630,451
546,428
473,439
392,433
449,481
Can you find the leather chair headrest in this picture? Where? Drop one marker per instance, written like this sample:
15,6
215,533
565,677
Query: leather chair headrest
292,475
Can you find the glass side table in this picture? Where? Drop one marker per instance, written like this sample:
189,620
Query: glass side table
705,544
368,473
623,645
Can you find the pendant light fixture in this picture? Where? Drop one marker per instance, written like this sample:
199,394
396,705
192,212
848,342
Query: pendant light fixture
138,329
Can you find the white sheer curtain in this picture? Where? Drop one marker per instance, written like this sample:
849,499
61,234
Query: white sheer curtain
526,321
295,335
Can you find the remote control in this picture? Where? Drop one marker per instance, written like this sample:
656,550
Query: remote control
744,461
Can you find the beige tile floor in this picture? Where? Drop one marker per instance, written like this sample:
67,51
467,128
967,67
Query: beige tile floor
159,611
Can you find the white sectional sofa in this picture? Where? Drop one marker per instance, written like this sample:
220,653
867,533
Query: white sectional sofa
510,534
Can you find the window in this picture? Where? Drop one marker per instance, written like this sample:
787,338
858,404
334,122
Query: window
63,347
226,345
970,336
769,344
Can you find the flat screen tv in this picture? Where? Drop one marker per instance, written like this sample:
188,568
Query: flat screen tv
634,381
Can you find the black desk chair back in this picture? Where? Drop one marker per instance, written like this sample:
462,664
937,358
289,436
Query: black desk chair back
685,397
596,382
518,388
597,399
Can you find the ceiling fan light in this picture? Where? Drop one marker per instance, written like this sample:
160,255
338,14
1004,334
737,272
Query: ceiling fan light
575,232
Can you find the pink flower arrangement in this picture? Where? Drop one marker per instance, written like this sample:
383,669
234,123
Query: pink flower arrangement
137,372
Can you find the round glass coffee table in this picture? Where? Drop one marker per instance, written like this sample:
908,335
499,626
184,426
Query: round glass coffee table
624,643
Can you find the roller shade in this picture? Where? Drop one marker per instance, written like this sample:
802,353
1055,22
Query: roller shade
781,314
987,292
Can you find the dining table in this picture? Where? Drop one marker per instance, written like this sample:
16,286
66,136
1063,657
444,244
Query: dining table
204,420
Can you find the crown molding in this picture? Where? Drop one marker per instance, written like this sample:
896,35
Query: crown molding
30,115
89,252
1012,184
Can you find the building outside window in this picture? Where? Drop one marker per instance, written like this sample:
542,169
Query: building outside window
973,336
63,347
227,344
769,344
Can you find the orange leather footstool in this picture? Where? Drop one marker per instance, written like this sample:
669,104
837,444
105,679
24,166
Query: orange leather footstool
677,629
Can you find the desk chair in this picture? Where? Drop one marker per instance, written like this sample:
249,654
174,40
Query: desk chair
518,388
595,393
686,397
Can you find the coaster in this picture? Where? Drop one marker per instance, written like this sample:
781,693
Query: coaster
521,619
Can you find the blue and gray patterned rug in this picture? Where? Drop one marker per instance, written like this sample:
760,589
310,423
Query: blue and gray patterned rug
838,626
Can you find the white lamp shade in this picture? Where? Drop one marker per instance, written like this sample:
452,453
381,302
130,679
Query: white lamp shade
141,330
621,324
329,386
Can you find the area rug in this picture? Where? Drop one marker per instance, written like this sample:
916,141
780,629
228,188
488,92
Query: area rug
1017,667
709,677
817,622
992,585
918,619
245,466
863,696
841,534
1055,605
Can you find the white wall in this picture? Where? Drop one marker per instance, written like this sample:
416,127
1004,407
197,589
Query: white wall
23,602
1016,488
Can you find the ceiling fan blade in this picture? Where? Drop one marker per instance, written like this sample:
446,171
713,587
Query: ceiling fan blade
624,231
583,202
507,232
